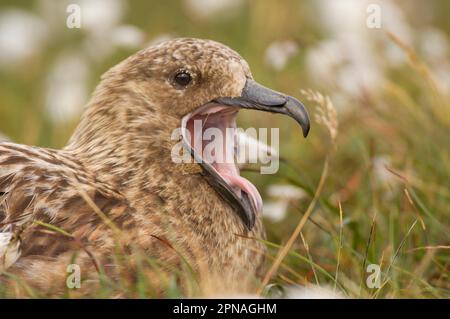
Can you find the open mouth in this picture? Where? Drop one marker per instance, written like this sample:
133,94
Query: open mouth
209,135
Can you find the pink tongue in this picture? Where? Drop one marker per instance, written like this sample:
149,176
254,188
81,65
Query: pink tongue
241,184
223,159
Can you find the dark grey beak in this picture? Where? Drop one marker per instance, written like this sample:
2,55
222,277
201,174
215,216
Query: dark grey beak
257,97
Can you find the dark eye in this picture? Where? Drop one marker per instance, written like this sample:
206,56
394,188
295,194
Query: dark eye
182,78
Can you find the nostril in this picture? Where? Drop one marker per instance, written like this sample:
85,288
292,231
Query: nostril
262,95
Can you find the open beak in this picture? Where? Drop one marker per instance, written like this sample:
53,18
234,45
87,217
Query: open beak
242,196
258,97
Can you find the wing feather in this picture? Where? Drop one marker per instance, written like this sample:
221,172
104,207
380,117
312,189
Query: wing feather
45,185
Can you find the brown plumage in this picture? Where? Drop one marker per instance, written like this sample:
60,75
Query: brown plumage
117,175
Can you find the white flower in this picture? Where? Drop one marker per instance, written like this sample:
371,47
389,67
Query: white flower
279,53
67,92
276,209
101,16
435,50
312,292
253,150
296,292
434,45
9,250
394,20
355,79
350,16
127,36
353,63
22,35
380,164
442,75
287,192
4,138
351,52
385,180
340,17
323,60
212,9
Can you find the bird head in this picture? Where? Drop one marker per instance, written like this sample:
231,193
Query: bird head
193,80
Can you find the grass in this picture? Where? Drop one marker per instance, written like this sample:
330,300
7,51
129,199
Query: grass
377,188
400,224
361,219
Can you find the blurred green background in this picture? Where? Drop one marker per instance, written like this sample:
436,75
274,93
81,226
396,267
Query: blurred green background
390,166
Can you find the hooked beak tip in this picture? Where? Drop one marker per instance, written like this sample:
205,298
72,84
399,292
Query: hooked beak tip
297,110
258,97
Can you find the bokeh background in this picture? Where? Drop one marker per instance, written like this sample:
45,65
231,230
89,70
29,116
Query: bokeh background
389,167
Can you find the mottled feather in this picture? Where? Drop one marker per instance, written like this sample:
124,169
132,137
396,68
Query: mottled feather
118,166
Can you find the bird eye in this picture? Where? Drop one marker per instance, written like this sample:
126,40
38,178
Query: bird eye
182,78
